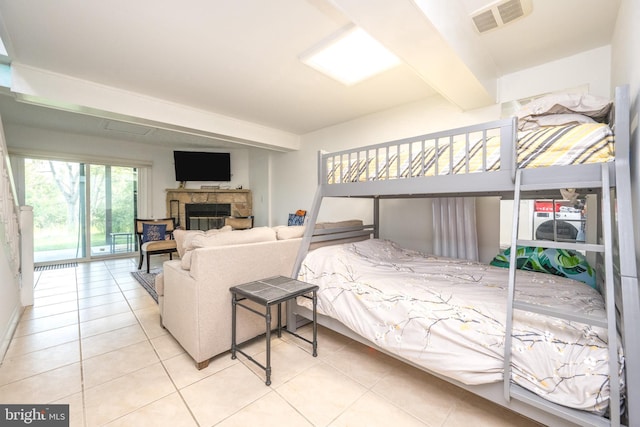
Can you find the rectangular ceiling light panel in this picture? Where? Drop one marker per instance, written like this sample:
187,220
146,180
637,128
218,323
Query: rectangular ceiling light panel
350,57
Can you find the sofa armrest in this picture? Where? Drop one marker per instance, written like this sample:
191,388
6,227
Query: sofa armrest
178,309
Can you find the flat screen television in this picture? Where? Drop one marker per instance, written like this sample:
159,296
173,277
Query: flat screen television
202,166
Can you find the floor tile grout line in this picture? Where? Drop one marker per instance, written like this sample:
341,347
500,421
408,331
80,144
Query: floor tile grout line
386,399
166,371
293,407
276,390
21,355
369,389
143,319
82,373
38,373
319,362
82,358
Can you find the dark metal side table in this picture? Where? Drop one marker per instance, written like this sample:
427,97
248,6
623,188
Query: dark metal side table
269,292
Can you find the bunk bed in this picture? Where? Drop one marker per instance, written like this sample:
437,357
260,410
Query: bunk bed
592,327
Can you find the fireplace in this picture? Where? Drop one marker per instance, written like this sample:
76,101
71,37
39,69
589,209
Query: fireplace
236,203
206,216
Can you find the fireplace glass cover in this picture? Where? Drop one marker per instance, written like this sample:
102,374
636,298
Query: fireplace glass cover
206,216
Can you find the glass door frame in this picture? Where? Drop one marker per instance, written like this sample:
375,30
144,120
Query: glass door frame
140,188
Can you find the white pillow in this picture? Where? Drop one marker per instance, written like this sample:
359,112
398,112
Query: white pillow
535,122
596,107
236,237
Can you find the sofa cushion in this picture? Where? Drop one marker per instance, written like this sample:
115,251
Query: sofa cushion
185,260
179,235
284,232
236,237
158,245
184,238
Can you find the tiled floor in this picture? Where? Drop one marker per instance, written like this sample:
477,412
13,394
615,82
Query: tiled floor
93,340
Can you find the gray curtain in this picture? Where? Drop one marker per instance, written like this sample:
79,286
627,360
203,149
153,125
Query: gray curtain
454,227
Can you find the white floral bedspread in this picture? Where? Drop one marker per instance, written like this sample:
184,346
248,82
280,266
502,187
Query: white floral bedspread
448,315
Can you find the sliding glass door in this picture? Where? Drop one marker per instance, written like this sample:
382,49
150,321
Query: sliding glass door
112,209
52,188
80,210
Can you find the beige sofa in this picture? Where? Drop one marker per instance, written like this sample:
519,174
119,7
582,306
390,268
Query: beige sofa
194,297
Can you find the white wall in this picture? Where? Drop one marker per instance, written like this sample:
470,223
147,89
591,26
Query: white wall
10,307
260,179
625,69
408,221
591,68
123,153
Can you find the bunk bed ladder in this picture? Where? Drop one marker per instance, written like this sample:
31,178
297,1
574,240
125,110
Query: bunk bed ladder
606,248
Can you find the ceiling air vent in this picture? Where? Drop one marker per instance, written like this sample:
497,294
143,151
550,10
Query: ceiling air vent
500,13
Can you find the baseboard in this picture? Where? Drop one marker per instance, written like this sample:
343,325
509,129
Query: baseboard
11,329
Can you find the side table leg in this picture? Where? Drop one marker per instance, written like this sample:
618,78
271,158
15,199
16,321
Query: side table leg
280,320
233,325
268,365
315,324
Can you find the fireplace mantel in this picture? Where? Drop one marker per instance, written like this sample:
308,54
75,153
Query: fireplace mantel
240,201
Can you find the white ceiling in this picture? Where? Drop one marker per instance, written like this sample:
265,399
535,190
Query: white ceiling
239,58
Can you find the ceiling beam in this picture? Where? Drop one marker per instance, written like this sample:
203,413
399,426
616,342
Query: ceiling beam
53,90
444,55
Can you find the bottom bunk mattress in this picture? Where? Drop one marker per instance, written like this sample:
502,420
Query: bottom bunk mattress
448,316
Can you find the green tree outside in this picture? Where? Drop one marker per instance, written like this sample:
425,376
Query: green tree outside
53,189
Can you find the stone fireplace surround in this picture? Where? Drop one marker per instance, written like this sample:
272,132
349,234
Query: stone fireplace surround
239,200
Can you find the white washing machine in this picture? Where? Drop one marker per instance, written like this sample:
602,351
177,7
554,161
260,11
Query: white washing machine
568,224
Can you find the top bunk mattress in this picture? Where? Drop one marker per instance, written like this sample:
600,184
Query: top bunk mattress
473,152
448,316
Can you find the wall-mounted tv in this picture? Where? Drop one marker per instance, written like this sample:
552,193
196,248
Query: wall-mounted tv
202,166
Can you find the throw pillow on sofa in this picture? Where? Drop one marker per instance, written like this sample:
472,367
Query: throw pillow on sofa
297,218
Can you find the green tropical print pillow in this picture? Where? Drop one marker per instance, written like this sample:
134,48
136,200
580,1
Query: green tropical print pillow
561,262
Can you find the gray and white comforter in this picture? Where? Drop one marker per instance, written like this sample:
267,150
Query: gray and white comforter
448,316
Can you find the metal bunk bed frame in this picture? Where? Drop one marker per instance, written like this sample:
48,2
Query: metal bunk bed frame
357,173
